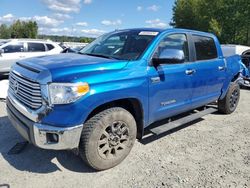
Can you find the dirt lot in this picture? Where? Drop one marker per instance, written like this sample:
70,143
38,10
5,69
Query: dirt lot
213,152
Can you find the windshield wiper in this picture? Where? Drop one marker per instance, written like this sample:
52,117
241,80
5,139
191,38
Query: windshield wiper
98,55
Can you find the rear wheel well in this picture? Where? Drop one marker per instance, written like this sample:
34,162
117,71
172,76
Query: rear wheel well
223,93
130,104
235,77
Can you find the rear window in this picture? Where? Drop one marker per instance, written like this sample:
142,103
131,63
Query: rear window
36,47
205,48
50,46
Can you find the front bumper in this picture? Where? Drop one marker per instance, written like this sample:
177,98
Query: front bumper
43,136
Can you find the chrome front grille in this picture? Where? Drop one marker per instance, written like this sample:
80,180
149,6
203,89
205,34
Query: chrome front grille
26,91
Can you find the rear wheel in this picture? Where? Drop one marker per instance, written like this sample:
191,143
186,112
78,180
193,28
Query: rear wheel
230,102
107,138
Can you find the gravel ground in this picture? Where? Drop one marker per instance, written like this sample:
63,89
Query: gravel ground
213,152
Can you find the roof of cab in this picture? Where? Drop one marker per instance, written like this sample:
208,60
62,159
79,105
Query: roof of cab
169,29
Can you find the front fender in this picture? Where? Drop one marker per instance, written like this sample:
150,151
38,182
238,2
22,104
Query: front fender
129,85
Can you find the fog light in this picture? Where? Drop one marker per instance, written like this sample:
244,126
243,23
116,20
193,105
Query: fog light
52,138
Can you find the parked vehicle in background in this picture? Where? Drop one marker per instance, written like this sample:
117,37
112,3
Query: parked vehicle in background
231,49
4,85
14,50
100,100
72,47
244,52
3,41
71,50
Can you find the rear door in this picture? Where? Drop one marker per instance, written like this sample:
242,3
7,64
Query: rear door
35,49
208,70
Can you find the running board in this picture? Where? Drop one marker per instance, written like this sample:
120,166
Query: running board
174,124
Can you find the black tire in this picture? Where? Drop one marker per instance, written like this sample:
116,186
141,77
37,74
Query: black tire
107,138
230,102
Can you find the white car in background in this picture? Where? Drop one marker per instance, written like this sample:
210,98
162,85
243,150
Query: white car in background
13,50
232,49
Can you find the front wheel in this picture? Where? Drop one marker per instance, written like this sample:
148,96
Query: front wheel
230,102
107,138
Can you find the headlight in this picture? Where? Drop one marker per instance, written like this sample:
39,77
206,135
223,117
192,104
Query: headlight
65,93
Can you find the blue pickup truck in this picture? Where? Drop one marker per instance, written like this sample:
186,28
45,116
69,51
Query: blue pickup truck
99,101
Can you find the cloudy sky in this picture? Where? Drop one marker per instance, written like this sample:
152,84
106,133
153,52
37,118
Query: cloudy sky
87,17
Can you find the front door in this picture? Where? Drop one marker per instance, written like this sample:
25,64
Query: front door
13,52
170,88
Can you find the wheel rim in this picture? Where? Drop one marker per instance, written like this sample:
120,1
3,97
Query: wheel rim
114,140
234,99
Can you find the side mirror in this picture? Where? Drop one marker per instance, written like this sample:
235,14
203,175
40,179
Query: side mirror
170,56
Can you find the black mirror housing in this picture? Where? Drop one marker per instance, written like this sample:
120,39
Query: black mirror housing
170,56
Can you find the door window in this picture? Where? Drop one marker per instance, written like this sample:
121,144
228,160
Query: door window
12,48
174,41
36,47
205,48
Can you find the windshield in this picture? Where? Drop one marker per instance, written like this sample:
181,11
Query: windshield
124,45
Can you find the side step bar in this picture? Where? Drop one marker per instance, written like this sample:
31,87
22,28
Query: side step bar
174,124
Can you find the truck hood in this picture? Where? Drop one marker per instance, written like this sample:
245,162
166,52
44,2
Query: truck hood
72,65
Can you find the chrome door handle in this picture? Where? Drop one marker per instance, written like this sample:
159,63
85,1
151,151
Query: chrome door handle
221,68
190,71
155,79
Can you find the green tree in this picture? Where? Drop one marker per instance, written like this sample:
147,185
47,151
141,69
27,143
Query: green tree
31,29
86,40
228,19
4,31
20,29
215,27
17,29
